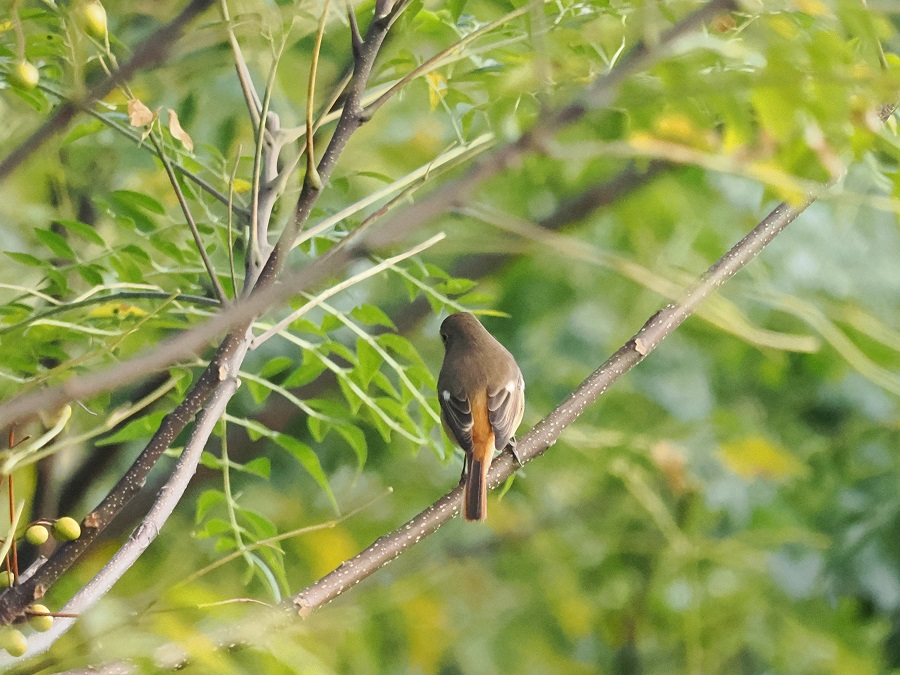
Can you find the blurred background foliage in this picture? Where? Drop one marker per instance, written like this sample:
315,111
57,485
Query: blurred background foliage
732,505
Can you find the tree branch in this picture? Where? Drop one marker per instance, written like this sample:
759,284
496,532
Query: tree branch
166,500
265,295
222,366
547,431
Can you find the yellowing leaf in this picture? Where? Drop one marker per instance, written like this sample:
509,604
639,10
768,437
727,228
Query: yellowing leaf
117,310
138,114
240,185
436,87
681,129
812,7
179,133
757,457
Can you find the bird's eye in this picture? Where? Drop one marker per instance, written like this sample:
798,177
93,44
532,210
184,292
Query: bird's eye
443,338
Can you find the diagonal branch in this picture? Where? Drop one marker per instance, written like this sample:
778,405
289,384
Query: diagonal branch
545,434
547,431
390,232
351,119
212,383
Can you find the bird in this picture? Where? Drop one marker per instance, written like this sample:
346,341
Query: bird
482,397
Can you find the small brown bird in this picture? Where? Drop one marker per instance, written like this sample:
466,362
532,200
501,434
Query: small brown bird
482,397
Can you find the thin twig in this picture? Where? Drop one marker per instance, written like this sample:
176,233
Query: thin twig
231,180
342,286
189,218
188,343
312,175
430,64
251,98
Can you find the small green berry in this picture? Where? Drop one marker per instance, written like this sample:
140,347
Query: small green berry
41,623
24,75
92,17
36,535
66,529
6,579
14,642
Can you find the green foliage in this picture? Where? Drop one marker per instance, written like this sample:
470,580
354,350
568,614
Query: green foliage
729,506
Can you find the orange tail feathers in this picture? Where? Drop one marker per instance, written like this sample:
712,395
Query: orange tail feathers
475,490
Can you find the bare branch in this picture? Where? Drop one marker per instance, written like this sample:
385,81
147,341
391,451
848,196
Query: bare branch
547,431
151,525
351,119
355,37
251,98
395,230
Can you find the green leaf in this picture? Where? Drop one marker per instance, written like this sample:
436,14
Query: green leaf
213,528
356,439
210,461
57,244
309,371
275,366
372,316
90,274
261,466
309,461
137,200
456,8
143,427
318,427
206,501
137,253
332,347
25,258
259,391
127,269
262,527
306,326
381,381
455,286
353,399
169,249
58,285
401,346
330,323
86,128
369,362
83,230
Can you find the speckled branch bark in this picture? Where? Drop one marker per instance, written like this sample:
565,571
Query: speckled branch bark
548,430
221,367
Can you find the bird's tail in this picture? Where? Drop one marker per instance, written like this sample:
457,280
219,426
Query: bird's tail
475,490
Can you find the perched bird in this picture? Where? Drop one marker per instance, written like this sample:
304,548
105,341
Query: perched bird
482,397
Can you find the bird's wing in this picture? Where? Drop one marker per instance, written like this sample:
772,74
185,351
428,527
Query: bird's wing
505,408
457,414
